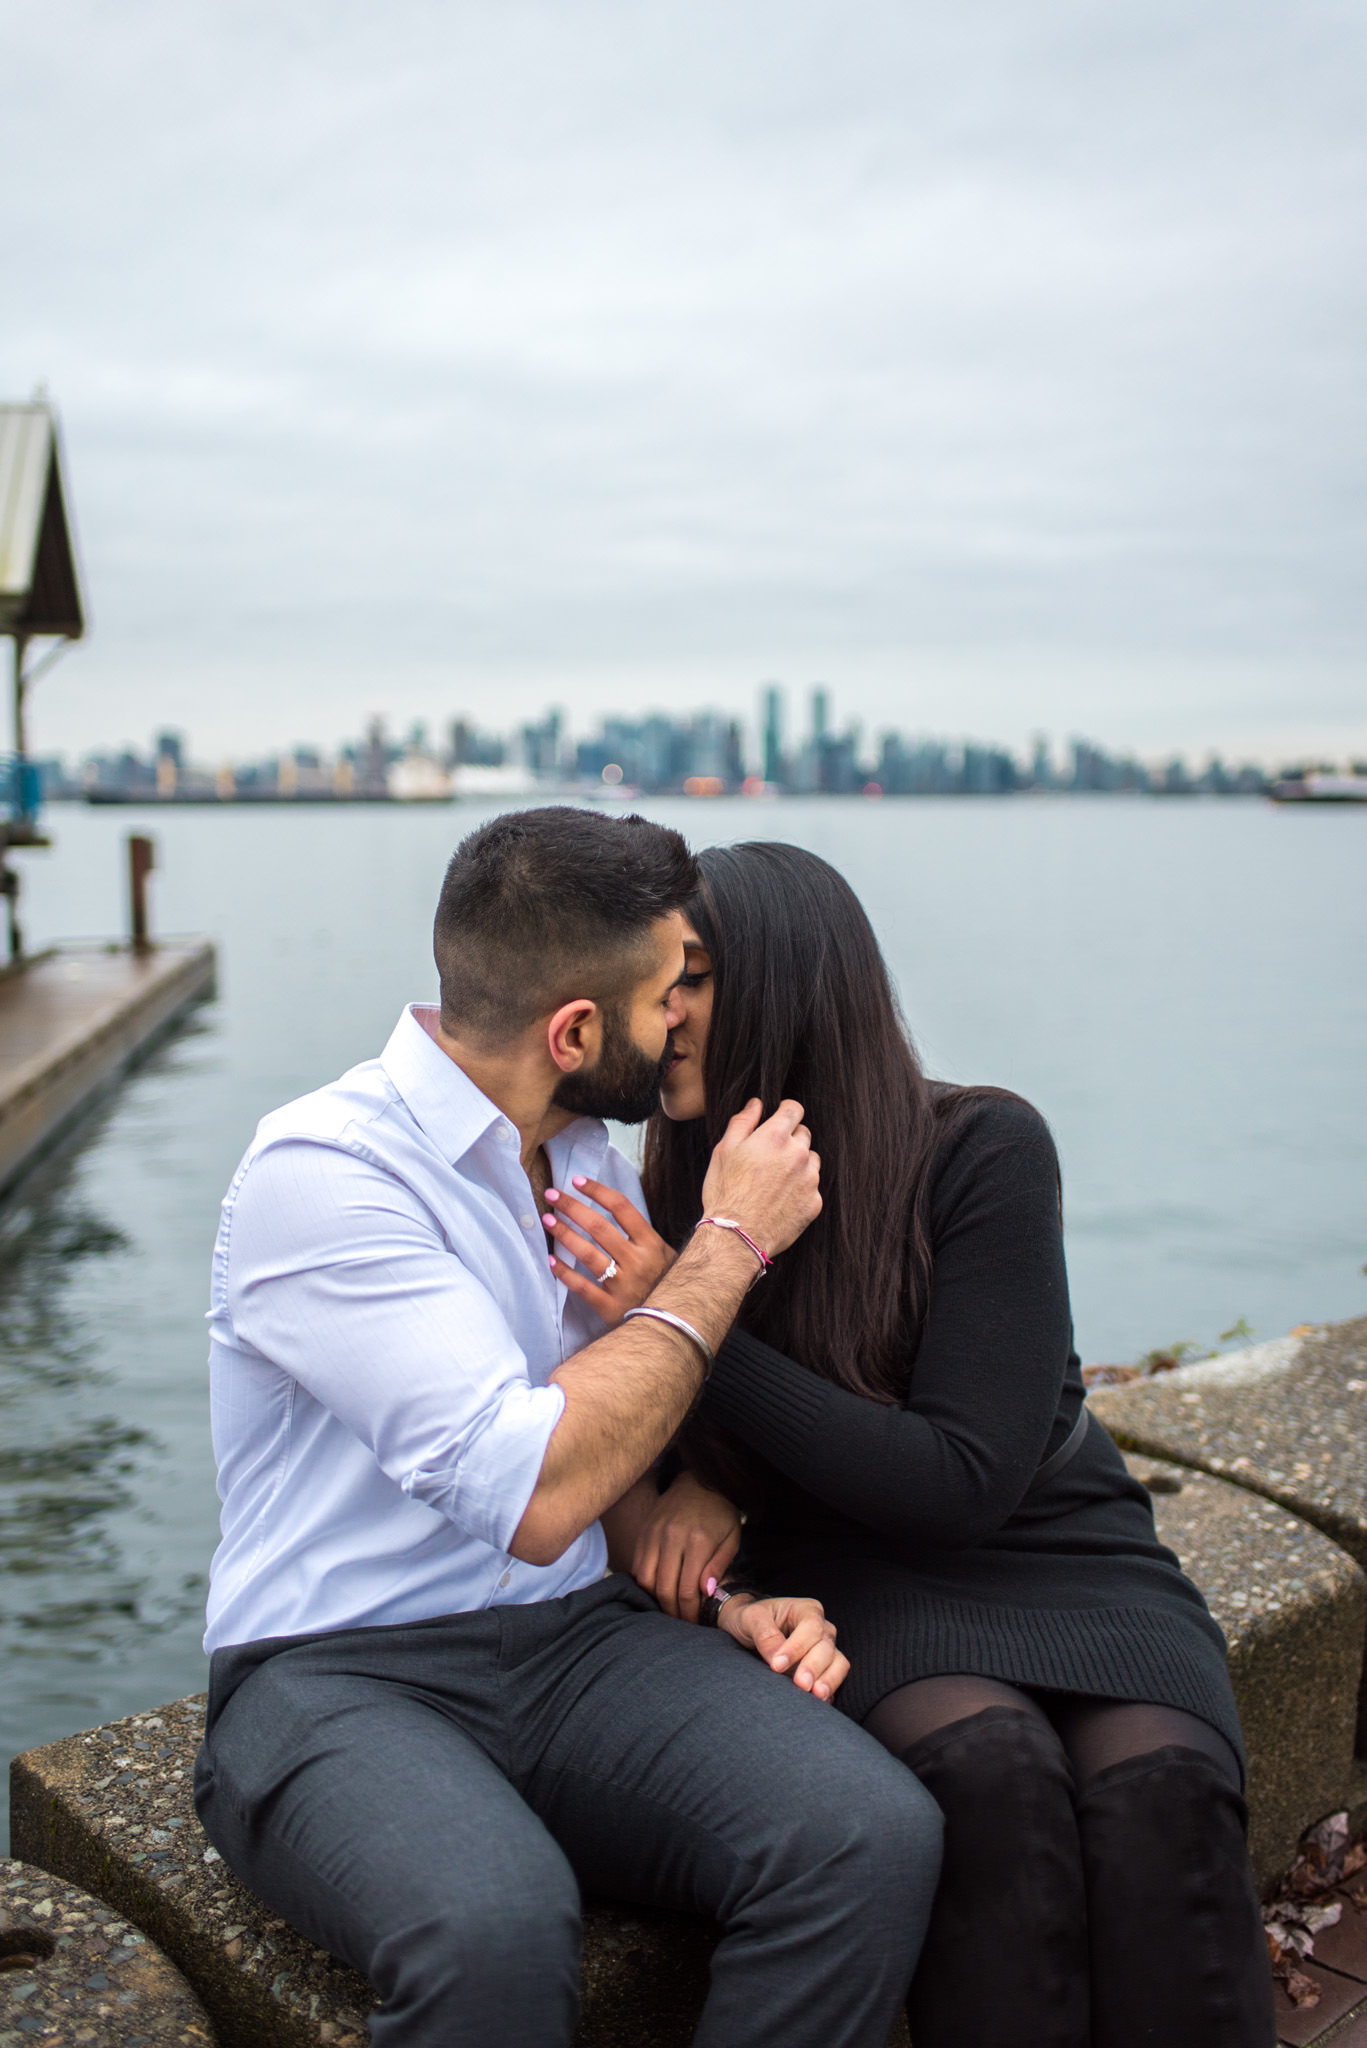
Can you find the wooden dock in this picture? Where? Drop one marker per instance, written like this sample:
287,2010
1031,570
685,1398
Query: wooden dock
72,1021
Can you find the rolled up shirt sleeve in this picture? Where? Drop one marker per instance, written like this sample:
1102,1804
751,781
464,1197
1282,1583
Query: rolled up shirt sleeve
341,1277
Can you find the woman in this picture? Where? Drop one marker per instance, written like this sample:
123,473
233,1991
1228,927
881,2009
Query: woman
899,1413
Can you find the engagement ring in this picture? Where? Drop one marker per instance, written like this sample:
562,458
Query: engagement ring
609,1272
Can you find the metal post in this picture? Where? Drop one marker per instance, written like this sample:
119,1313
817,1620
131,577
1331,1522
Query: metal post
9,889
20,686
9,878
141,861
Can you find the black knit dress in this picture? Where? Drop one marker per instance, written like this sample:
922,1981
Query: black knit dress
914,1525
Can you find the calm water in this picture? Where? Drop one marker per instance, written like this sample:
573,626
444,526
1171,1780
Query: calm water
1182,988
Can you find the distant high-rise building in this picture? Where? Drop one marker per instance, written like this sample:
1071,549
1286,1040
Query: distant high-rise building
772,765
812,767
373,765
707,746
541,746
170,762
662,752
734,770
471,748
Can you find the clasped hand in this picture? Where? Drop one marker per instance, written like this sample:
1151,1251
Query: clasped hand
790,1634
688,1540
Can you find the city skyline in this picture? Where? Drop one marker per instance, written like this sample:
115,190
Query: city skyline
751,723
700,753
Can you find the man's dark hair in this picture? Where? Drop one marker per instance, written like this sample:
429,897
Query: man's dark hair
540,906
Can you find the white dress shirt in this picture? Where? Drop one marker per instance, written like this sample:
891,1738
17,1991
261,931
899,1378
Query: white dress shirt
384,1323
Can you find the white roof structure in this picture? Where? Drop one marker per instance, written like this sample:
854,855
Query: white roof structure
40,591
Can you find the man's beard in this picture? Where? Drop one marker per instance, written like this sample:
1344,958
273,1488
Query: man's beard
624,1085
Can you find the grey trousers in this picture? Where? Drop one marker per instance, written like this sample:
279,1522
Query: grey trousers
425,1801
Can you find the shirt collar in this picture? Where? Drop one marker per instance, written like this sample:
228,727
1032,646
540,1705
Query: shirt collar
445,1102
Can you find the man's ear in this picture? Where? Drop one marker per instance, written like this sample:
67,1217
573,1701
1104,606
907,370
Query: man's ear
574,1033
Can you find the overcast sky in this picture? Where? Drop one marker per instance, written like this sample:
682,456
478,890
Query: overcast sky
999,365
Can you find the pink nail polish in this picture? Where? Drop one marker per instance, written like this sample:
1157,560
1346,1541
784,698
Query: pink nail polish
581,1180
710,1588
552,1194
552,1265
548,1217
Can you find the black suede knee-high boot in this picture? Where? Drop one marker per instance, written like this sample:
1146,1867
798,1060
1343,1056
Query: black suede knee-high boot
1178,1955
1005,1959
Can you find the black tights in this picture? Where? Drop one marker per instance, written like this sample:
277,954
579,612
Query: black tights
1096,1890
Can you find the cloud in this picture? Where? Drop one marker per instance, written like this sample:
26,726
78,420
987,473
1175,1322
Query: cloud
999,366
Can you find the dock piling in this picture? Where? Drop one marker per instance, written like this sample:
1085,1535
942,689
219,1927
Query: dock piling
141,861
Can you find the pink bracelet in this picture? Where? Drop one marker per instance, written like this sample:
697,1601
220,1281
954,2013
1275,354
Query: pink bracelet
730,1223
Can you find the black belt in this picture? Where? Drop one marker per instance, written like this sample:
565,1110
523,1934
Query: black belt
1064,1455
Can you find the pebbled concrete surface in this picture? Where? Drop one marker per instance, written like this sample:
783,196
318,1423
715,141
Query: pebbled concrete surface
1287,1420
112,1810
74,1972
1292,1606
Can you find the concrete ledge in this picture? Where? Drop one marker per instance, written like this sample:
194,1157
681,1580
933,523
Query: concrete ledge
73,1971
112,1812
1287,1420
1292,1606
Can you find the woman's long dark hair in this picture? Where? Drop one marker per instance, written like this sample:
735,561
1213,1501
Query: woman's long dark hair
802,1006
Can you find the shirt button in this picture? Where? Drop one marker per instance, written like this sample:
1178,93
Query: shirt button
507,1576
526,1222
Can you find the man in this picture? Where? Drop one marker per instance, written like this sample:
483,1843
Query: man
431,1713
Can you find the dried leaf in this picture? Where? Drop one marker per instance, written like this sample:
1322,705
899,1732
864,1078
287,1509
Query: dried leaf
1303,1991
1292,1916
1330,1836
1323,1851
1293,1919
1290,1939
1300,1989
